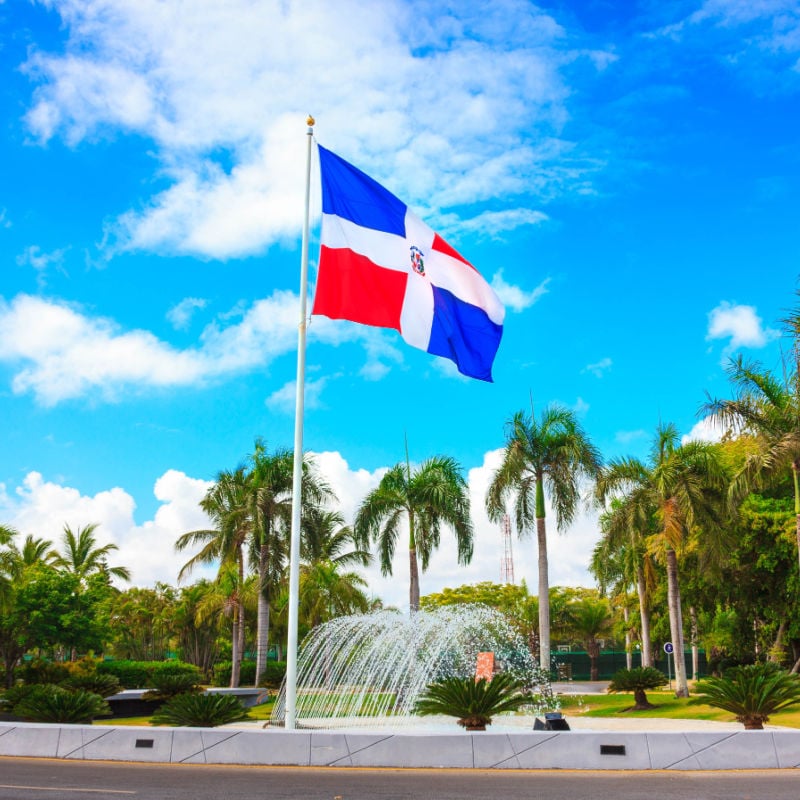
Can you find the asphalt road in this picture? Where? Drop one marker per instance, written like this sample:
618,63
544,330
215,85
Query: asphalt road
42,779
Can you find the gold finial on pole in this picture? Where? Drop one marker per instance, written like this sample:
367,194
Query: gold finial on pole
310,121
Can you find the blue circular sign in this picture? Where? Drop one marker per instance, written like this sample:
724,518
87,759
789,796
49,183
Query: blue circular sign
668,648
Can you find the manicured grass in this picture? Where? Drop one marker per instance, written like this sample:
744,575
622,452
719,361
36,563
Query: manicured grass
667,706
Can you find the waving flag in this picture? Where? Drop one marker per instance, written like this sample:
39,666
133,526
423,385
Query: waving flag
381,265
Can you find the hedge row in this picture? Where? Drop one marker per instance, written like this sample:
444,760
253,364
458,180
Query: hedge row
272,678
140,674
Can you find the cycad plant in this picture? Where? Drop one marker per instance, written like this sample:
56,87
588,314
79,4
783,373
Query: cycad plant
637,680
48,703
200,711
473,702
752,693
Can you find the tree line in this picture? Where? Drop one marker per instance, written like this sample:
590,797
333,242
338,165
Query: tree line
695,529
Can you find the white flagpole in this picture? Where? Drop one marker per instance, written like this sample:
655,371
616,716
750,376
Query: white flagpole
297,473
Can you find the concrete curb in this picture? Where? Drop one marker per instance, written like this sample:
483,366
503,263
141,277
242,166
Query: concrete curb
593,750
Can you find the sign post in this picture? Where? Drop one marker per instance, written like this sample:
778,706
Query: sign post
669,650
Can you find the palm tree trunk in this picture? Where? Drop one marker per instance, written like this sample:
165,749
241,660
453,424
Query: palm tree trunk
413,586
628,643
262,636
796,478
676,623
241,632
235,657
544,597
262,620
693,641
644,614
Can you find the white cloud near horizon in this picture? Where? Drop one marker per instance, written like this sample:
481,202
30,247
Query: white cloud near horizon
203,83
42,507
515,298
707,429
739,323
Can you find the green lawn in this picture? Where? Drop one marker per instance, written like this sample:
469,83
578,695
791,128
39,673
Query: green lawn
589,705
667,707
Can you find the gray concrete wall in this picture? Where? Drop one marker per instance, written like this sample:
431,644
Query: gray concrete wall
526,750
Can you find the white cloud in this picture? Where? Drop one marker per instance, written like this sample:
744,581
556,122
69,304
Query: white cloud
385,81
42,508
569,553
493,223
180,315
739,323
598,369
284,399
580,407
35,257
5,222
515,298
707,429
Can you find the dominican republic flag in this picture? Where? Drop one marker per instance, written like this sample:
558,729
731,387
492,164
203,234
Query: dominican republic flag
381,265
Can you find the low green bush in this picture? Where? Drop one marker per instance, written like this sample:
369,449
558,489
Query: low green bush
200,711
274,672
41,671
49,703
97,683
139,674
164,686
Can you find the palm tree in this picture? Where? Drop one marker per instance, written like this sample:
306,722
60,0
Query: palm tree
271,497
590,620
82,557
37,551
327,539
625,527
432,495
549,456
327,592
768,408
228,505
680,486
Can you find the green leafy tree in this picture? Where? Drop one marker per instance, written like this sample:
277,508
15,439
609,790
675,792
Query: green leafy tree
326,592
433,495
143,622
767,407
590,620
544,457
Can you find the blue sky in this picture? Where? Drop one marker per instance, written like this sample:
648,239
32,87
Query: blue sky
624,174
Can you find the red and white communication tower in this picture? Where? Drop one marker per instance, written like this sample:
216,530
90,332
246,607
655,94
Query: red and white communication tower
507,563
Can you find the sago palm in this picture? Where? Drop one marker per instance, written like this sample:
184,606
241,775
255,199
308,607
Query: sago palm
752,693
474,703
545,457
433,495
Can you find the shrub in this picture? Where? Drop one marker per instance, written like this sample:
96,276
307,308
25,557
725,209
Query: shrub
752,692
49,703
164,686
272,678
200,711
97,683
636,680
138,674
41,671
473,702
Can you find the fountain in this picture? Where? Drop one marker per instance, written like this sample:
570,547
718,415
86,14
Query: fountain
368,670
